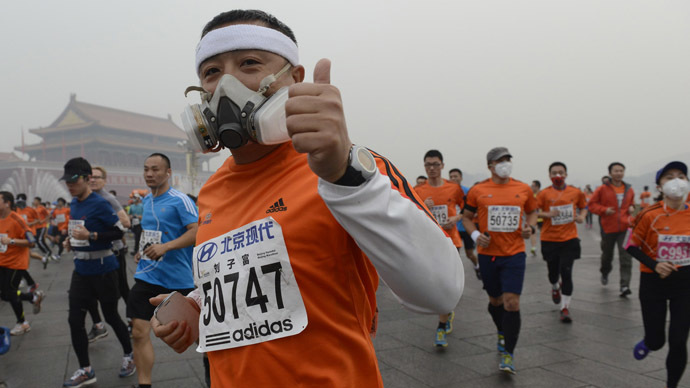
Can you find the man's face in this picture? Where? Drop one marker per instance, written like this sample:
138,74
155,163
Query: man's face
156,172
557,171
455,177
249,67
492,165
96,182
35,203
4,206
78,187
433,166
617,173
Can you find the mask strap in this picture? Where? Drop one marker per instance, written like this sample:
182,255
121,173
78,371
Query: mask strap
268,80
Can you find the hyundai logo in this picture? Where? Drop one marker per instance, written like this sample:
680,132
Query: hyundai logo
207,252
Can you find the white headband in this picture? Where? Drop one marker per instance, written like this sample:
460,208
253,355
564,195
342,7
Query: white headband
246,37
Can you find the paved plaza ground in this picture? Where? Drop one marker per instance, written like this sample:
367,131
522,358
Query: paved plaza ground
594,351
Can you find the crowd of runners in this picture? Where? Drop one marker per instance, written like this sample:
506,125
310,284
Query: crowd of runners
303,229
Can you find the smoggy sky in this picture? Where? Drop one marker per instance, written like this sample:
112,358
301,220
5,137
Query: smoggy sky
585,82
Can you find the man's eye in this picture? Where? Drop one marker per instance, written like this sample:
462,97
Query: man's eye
249,62
210,71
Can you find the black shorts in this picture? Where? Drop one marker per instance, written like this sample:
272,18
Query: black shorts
502,274
138,305
552,250
102,286
467,241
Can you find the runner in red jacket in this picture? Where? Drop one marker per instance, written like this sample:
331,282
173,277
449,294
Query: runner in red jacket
613,203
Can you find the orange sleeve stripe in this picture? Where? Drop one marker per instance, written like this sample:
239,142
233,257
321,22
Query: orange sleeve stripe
406,191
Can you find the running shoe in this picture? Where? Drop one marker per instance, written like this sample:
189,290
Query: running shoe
53,257
80,378
534,251
556,295
625,291
640,351
4,340
506,364
38,298
97,333
128,368
565,316
20,328
501,343
441,338
604,280
478,273
449,322
32,288
44,260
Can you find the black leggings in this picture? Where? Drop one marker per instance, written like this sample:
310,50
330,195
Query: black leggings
83,291
9,286
41,242
655,295
562,267
61,239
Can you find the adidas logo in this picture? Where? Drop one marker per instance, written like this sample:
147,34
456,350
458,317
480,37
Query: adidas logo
279,206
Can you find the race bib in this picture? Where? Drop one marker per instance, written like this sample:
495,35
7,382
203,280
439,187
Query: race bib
136,221
60,218
250,294
674,249
565,215
3,247
70,228
148,238
504,218
440,213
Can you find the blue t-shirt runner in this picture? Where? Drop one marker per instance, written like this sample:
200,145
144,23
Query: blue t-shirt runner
165,218
96,215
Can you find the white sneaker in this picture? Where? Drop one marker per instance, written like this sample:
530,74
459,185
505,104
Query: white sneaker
20,328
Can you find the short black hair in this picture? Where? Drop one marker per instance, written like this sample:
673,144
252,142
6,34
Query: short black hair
21,197
536,182
455,170
8,197
62,200
646,188
192,197
165,158
433,154
421,177
248,15
38,198
554,164
113,192
612,165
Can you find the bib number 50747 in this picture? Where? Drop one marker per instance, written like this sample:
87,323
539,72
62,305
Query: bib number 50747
253,295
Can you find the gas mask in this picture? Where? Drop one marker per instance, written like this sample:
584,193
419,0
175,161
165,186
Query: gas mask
504,169
676,188
234,114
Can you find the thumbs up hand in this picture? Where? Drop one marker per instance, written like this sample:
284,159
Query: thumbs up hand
316,124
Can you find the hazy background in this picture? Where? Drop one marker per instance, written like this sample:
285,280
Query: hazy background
583,82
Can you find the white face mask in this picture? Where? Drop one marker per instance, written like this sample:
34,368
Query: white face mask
504,169
676,188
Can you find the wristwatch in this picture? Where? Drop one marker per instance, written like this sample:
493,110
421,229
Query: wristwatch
92,236
361,167
11,241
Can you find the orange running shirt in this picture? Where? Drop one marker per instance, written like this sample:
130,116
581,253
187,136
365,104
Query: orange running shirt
500,210
12,256
663,234
560,228
29,215
336,281
620,193
645,199
42,215
445,198
61,217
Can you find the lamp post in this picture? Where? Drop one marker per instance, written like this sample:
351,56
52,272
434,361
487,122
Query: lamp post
192,162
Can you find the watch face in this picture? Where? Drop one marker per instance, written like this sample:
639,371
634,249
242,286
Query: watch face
365,159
